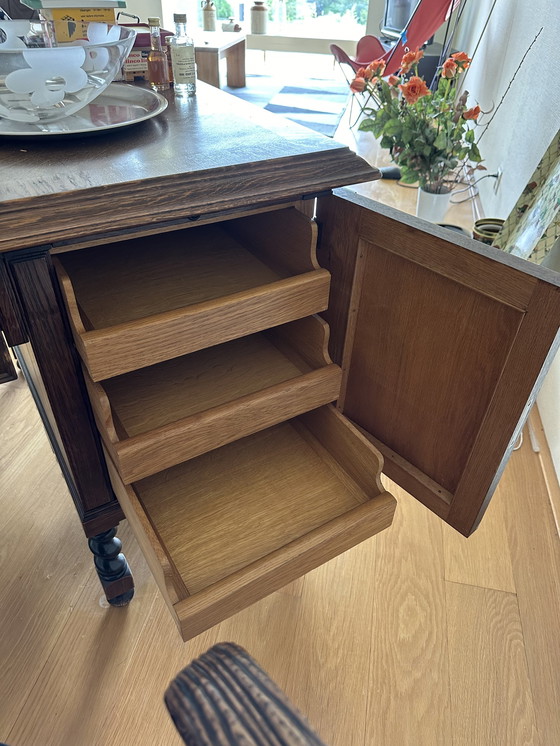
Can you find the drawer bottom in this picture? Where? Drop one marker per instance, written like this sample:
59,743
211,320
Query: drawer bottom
227,528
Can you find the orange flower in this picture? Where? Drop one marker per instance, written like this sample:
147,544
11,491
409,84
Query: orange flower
410,59
393,80
414,89
358,85
471,113
377,67
462,59
449,69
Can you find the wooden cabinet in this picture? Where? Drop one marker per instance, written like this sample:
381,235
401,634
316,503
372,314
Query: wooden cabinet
251,371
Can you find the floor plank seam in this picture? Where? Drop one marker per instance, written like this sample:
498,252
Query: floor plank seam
542,742
448,666
482,587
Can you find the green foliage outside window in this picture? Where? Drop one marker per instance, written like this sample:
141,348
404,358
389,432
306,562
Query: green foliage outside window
223,9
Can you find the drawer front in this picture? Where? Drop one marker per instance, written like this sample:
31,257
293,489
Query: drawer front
227,528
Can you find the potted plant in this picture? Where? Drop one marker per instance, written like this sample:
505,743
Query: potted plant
428,133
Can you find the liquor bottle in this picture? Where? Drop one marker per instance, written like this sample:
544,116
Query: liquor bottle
181,47
158,72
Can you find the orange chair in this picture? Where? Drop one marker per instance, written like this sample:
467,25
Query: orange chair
427,17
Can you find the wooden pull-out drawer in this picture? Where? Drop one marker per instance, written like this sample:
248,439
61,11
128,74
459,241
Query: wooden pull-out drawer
162,415
227,528
139,302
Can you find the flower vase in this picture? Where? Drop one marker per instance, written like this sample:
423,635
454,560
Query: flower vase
432,206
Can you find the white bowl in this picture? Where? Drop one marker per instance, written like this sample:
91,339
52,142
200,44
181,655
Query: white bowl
43,84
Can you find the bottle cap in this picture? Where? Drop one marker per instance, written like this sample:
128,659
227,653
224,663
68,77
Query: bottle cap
179,17
153,21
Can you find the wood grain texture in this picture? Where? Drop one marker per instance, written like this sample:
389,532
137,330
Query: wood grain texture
39,529
360,648
336,251
408,678
536,572
499,706
152,275
61,377
162,567
141,456
285,240
444,379
131,308
483,559
238,155
547,464
477,269
258,493
11,315
433,354
7,369
228,596
209,52
227,528
88,688
224,698
169,226
159,416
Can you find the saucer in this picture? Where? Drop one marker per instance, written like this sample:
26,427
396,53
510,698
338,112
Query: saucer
120,105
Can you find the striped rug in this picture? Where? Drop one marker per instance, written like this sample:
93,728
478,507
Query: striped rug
316,103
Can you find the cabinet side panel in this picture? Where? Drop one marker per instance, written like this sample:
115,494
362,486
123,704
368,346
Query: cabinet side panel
336,251
58,369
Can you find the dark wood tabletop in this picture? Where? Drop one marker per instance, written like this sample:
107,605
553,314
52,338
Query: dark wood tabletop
211,153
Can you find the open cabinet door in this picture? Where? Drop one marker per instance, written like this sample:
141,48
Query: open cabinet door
443,342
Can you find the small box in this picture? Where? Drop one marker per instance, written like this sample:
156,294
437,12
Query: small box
71,23
136,65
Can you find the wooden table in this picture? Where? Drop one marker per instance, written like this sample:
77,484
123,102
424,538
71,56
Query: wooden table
210,48
192,232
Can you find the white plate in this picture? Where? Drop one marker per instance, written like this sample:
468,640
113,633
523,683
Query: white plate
120,105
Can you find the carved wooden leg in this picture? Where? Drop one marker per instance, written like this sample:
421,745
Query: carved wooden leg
112,567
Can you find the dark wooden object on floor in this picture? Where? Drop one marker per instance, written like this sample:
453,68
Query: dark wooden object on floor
224,698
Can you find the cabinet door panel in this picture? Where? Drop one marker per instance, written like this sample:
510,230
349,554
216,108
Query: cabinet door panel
444,344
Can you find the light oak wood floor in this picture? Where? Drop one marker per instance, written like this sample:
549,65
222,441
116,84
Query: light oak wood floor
417,637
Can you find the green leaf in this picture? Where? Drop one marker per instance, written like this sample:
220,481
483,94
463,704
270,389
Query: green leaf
441,141
407,135
469,135
427,151
386,142
392,127
408,176
474,154
366,125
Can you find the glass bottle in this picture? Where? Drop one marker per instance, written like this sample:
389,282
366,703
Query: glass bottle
158,72
181,47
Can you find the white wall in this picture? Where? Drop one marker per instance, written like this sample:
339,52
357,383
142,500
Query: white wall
524,125
530,114
145,8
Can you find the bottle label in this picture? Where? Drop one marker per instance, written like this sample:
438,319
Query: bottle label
182,61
